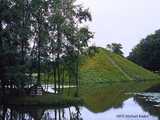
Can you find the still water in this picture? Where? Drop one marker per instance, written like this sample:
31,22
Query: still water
133,108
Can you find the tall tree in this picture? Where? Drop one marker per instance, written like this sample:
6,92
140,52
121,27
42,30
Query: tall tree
14,41
35,33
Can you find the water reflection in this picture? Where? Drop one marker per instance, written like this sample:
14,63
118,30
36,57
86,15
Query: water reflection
130,110
71,113
19,113
24,113
134,108
148,106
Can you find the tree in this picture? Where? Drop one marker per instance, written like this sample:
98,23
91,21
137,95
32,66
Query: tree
36,33
115,48
69,38
147,52
14,42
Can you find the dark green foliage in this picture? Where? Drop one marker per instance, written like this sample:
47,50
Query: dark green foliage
147,52
40,37
14,42
115,48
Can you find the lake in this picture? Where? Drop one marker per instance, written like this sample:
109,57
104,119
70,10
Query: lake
100,103
131,109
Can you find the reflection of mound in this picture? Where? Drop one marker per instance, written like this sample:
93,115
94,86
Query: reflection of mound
100,98
102,107
148,106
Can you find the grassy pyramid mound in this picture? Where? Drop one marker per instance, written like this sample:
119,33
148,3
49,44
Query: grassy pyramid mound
105,66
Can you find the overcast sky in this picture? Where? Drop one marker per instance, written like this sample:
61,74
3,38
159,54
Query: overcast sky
123,21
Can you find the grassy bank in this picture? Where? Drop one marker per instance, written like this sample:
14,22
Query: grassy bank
44,100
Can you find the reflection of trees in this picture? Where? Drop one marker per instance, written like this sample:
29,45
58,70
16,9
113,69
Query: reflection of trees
11,114
23,113
148,106
76,115
63,114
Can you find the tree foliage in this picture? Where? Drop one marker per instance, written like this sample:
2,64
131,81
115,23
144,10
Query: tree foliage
147,52
38,34
115,48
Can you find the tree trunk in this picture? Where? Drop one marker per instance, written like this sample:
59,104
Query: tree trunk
39,53
55,79
59,37
77,73
62,79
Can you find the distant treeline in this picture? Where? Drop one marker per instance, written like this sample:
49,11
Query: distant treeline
147,52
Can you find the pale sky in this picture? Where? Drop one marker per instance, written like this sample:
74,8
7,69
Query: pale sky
123,21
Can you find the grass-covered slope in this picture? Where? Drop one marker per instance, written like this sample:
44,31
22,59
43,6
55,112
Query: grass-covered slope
105,66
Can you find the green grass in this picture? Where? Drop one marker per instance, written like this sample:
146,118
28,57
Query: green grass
134,71
107,67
